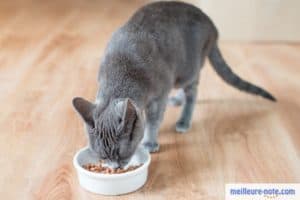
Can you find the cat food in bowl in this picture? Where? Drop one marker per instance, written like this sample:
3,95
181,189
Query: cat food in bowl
102,180
99,168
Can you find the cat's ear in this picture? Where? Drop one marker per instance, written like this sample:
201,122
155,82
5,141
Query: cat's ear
128,115
85,109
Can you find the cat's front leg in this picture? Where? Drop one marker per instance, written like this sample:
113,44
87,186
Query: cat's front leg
150,138
154,116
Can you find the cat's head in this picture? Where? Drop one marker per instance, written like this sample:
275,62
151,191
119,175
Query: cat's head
114,130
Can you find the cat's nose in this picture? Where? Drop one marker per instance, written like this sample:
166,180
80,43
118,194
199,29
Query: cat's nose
123,163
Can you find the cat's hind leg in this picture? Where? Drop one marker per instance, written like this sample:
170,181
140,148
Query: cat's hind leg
154,115
178,99
184,122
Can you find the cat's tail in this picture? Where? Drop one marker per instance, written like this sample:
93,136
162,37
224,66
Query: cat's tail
223,70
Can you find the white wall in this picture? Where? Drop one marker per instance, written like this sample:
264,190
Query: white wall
266,20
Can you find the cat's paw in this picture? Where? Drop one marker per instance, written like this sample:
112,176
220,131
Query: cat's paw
151,147
182,127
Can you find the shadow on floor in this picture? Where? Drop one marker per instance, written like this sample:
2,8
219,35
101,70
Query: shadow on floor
215,122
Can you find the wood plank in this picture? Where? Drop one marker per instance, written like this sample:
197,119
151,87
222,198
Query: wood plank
50,52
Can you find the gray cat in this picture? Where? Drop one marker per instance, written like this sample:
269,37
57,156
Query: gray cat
162,46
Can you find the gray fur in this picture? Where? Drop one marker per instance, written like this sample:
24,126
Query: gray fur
162,46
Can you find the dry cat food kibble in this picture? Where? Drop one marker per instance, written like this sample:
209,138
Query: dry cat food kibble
98,168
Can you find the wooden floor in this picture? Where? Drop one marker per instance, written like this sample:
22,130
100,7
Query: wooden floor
50,52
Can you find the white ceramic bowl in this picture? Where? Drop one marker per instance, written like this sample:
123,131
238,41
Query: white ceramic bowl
111,184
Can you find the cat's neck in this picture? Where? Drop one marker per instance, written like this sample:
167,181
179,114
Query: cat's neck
123,76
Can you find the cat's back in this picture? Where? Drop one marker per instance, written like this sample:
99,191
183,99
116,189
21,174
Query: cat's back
162,27
167,14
